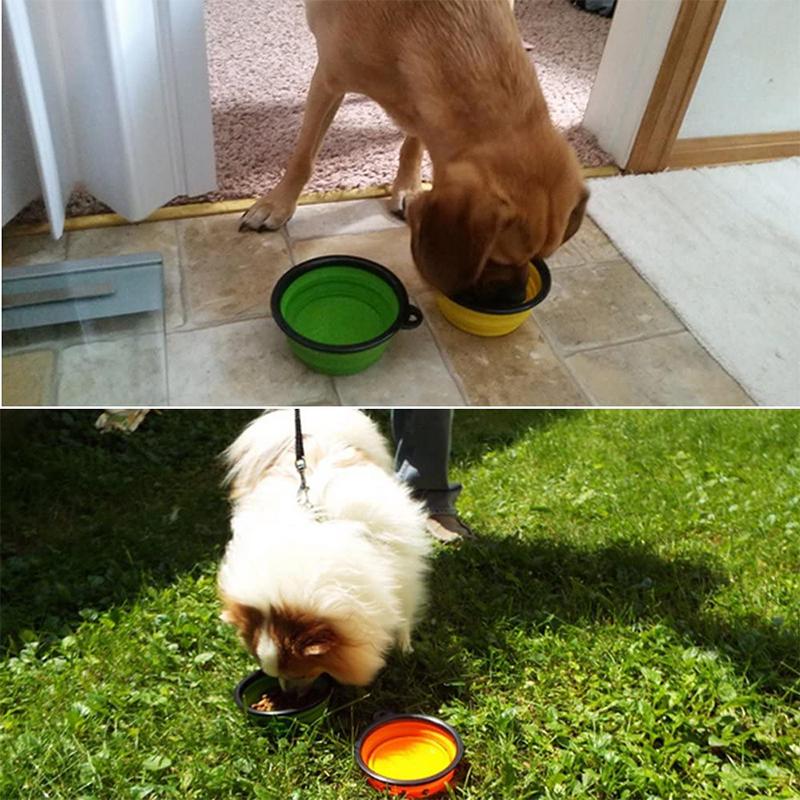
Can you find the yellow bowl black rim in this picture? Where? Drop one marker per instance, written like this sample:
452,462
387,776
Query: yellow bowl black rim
544,289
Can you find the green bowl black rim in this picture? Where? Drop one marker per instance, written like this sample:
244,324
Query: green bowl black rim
408,315
544,290
386,719
238,693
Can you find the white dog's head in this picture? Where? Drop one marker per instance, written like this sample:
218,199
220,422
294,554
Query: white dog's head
317,603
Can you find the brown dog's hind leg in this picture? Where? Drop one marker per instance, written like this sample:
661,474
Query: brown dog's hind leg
277,206
408,180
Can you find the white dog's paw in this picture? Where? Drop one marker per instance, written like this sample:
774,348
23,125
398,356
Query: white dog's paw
267,214
404,642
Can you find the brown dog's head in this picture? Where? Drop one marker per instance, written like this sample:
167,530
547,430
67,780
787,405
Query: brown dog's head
474,234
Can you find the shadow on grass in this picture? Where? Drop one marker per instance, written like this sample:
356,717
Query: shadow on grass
484,589
91,520
477,431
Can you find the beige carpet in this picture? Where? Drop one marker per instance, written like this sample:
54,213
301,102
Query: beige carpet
721,246
261,56
258,107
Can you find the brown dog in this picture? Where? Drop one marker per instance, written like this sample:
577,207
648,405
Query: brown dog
454,76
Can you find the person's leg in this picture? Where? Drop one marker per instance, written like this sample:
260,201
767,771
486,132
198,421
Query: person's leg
422,458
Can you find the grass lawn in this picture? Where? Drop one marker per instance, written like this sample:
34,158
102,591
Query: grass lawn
626,626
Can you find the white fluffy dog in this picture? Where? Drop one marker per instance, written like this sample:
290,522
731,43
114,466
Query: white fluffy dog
329,588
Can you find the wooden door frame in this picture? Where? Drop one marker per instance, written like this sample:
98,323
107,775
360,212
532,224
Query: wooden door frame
675,83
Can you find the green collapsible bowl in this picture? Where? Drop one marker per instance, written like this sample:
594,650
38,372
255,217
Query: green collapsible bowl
339,312
249,691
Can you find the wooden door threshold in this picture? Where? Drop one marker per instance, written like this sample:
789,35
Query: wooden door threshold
190,210
709,150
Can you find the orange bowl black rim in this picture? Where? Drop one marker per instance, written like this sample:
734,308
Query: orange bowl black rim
388,720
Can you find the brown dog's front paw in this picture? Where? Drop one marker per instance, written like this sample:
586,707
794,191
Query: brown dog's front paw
399,202
265,214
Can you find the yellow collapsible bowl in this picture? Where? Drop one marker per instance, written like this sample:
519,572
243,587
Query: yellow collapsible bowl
498,321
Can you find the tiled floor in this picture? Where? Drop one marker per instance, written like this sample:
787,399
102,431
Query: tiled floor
602,337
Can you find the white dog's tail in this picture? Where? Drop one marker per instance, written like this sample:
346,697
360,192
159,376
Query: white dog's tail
267,443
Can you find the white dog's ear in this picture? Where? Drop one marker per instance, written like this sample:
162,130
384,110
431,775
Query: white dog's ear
246,619
317,641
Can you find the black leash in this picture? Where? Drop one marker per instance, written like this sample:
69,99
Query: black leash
300,461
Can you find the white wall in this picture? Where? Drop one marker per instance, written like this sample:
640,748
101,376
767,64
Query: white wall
750,81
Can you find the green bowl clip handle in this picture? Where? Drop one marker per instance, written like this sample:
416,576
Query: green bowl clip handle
413,318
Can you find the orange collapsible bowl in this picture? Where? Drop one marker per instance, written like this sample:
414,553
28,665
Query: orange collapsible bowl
409,754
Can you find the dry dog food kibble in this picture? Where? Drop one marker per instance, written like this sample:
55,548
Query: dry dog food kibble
272,701
276,700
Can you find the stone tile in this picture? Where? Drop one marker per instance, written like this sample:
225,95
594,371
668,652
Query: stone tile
46,336
410,373
122,372
665,370
568,255
228,274
594,242
588,245
341,218
241,363
390,248
144,237
28,378
38,249
515,370
83,331
602,304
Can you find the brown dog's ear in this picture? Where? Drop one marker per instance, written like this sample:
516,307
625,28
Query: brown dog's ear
576,217
453,230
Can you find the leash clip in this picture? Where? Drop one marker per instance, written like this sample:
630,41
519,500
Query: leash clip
302,490
300,461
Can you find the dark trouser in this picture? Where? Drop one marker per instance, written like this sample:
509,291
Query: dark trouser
422,457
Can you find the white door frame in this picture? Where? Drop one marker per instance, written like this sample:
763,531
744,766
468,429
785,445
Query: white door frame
637,41
189,101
